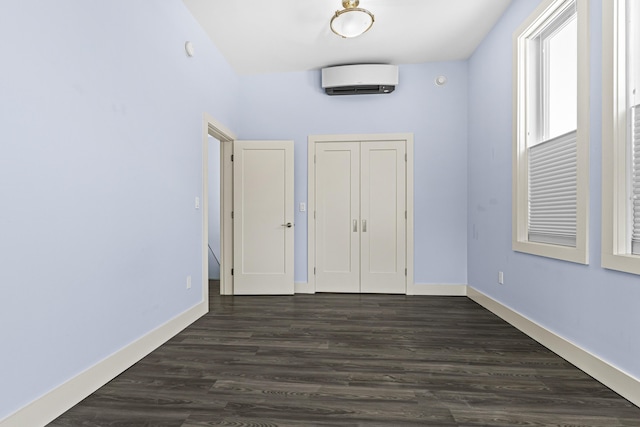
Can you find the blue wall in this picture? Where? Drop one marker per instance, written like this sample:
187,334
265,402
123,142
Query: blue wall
594,308
293,106
101,114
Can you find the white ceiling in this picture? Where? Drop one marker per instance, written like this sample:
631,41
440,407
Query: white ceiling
265,36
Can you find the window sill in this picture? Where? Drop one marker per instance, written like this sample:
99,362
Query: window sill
564,253
621,262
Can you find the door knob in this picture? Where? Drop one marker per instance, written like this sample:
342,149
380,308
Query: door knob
288,225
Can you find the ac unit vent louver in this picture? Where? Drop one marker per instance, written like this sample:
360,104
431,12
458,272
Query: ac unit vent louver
361,79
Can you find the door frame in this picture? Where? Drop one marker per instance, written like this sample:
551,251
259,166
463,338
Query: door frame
311,180
217,130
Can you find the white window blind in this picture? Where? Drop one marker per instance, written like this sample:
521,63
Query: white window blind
635,179
553,191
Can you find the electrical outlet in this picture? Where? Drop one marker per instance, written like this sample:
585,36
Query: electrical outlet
501,277
188,282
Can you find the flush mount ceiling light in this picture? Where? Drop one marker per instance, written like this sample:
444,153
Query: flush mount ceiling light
352,21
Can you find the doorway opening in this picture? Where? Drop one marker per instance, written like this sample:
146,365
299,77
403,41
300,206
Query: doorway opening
213,199
217,243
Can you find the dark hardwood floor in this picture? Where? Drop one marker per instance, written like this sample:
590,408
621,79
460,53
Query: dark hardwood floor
351,360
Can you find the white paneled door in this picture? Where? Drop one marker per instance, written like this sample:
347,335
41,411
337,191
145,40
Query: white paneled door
360,217
383,218
263,217
338,217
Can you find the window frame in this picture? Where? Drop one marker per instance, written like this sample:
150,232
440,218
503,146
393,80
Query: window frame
616,169
522,104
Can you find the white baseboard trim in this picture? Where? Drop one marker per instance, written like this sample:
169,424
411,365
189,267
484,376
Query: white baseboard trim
617,380
54,403
452,290
303,288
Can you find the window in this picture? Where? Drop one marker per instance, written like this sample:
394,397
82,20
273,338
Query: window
550,156
621,136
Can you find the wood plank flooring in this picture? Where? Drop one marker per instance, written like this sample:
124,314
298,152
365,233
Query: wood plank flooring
351,360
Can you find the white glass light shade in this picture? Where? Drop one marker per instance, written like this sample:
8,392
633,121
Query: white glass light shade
351,22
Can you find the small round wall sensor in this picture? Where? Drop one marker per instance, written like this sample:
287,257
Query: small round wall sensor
188,46
441,81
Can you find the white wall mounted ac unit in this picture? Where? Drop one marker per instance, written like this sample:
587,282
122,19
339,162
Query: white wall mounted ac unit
360,79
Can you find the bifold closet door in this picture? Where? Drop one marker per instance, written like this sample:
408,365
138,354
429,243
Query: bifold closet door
337,217
360,217
383,217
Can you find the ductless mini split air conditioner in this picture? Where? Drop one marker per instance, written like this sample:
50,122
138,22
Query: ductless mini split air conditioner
360,79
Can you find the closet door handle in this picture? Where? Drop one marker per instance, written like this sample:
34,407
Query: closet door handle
364,225
355,225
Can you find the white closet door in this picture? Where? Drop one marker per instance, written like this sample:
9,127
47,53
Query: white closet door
382,205
337,217
360,217
263,217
